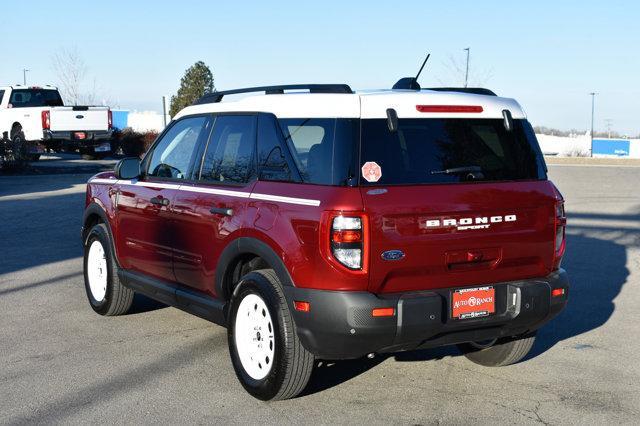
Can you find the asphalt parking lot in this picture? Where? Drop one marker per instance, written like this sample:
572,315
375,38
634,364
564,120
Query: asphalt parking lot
61,363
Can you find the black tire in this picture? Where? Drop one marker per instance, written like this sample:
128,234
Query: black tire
18,144
292,364
117,298
33,157
503,352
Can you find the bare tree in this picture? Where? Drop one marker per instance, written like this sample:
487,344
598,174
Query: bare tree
456,68
71,71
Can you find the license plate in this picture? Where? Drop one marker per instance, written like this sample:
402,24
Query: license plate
476,302
103,148
80,135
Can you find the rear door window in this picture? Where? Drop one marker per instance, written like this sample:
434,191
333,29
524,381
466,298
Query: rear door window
229,155
425,151
274,160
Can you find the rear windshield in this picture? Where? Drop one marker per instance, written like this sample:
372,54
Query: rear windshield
24,98
426,150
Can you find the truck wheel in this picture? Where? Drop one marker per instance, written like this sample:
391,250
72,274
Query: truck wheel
33,157
266,353
18,145
107,296
501,352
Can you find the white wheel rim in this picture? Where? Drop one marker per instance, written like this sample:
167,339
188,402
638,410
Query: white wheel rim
97,271
254,336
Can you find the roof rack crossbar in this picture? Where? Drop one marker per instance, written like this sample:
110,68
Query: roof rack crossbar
274,90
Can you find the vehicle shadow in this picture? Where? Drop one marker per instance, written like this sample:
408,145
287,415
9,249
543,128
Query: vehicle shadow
595,259
142,304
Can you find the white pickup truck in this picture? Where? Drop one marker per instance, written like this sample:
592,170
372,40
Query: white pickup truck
37,115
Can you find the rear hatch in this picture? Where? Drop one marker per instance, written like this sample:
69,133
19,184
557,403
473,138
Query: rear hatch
455,202
78,118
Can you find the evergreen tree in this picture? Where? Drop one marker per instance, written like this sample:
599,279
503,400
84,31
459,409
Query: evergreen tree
197,81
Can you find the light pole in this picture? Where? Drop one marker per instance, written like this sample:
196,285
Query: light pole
593,108
24,76
466,74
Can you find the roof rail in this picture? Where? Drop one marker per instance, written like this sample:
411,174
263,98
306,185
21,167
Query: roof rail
473,90
273,90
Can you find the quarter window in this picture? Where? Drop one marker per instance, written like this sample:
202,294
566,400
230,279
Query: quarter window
174,154
229,155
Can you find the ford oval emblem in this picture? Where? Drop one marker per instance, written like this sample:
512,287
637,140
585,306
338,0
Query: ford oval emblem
393,255
79,116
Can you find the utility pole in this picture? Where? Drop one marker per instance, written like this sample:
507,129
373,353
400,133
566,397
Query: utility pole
24,76
164,111
593,108
466,74
609,122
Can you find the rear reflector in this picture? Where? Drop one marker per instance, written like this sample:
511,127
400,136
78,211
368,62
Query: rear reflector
449,108
383,312
556,292
302,306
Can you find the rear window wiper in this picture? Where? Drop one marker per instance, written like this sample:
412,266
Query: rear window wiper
457,170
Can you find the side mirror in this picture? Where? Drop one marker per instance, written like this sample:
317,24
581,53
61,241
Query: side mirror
128,168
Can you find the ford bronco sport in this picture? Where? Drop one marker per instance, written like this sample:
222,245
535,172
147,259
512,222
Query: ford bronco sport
318,223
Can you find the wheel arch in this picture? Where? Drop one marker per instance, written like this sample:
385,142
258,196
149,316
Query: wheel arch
93,215
243,255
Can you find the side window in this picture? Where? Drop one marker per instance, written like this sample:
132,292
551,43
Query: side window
324,149
173,155
274,162
229,155
1,96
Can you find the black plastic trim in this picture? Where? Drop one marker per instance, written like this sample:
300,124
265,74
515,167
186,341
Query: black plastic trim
339,324
472,90
186,299
247,246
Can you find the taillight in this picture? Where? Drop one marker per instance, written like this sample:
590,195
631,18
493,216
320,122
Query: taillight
110,119
347,241
46,120
560,241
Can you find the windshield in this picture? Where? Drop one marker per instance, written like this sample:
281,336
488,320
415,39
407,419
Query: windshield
425,151
25,98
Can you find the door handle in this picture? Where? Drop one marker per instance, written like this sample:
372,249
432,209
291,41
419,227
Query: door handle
159,201
221,210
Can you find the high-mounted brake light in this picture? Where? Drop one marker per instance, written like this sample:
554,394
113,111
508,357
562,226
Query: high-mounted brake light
450,108
110,119
46,120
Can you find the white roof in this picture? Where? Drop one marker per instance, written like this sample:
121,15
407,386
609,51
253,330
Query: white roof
369,104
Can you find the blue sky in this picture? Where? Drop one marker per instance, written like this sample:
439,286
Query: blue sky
547,54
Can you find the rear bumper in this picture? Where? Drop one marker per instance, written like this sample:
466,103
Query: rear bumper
92,138
339,324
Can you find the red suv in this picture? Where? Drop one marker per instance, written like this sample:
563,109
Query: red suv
318,223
